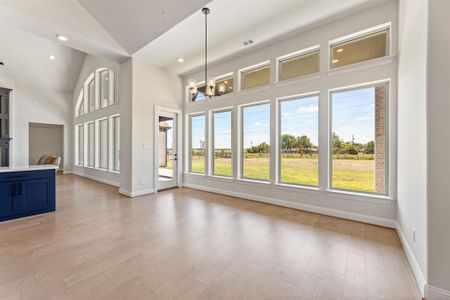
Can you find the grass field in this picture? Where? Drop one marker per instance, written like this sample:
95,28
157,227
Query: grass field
347,173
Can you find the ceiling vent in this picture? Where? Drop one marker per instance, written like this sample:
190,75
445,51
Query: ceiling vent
248,43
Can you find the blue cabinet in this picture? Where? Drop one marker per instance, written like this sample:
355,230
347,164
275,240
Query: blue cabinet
26,193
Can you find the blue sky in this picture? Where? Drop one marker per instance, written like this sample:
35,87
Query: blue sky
353,113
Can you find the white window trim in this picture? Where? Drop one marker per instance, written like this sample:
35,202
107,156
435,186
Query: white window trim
188,127
251,68
357,35
240,162
388,148
211,130
278,139
293,55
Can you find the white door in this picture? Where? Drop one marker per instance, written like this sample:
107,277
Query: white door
166,150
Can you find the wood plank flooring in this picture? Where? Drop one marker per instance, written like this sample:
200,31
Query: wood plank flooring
188,244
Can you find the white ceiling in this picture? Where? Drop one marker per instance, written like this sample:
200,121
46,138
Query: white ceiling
163,31
233,21
26,59
133,24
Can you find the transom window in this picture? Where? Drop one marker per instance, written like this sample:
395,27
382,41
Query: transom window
298,65
254,77
362,48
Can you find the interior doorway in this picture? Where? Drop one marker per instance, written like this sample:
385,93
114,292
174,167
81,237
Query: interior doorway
166,150
45,139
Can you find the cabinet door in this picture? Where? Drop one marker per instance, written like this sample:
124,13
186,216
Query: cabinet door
36,195
8,203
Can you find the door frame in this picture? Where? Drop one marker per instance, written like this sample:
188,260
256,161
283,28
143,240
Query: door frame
179,143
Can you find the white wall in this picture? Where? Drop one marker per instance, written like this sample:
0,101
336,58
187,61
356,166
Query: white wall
30,104
439,149
90,64
412,135
150,86
369,209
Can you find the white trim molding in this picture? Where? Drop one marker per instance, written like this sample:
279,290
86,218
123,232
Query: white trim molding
300,206
435,293
98,179
417,271
136,193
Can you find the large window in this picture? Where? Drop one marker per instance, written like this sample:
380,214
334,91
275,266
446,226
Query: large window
299,140
360,49
298,65
255,77
91,144
104,88
80,148
222,164
358,139
103,144
256,142
197,145
91,95
116,143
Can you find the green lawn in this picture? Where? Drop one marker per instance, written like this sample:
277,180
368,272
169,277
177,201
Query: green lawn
347,173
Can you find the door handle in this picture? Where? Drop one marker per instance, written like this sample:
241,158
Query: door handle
175,157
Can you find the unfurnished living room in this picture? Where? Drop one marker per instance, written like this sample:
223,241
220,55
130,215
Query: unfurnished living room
224,149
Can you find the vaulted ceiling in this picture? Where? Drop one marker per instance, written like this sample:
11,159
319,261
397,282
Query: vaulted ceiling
159,32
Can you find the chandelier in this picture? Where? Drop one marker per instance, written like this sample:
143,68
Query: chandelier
210,83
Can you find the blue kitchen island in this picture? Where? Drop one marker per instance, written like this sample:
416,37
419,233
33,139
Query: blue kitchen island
26,191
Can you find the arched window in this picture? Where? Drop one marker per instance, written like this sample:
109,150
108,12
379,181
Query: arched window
97,136
98,92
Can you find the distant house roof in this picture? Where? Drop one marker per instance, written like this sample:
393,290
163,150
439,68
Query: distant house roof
164,125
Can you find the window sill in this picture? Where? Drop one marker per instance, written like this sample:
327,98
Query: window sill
360,196
254,89
253,181
298,187
195,174
361,65
226,178
298,80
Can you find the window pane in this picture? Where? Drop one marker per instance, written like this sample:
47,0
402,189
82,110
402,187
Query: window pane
299,66
104,88
91,95
200,96
91,145
360,49
224,86
103,144
359,139
222,144
198,144
80,161
257,77
256,142
116,144
299,128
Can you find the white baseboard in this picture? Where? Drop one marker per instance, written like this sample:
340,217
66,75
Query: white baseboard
102,180
136,193
434,293
417,271
296,205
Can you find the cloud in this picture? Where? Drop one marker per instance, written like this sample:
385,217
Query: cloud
308,109
365,118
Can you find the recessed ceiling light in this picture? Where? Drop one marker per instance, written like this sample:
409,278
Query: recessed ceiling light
180,60
335,61
340,50
52,57
62,38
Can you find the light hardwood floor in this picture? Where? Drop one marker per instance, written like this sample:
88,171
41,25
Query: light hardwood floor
188,244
